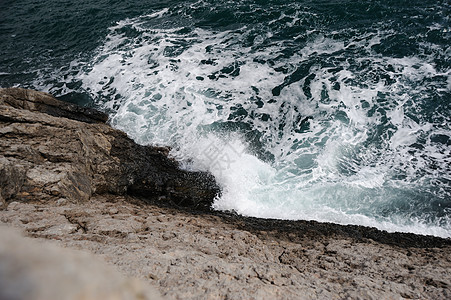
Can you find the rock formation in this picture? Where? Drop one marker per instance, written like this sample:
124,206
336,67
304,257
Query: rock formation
51,150
55,156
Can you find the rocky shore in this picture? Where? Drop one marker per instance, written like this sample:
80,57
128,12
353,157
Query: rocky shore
55,150
68,178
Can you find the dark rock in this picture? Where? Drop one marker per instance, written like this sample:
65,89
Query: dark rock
301,231
11,179
51,150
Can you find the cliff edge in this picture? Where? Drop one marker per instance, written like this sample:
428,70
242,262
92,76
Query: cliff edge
52,150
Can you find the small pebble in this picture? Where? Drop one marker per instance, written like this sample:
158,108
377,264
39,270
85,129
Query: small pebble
61,202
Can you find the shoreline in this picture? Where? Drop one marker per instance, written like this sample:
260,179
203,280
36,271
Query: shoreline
284,229
68,177
333,230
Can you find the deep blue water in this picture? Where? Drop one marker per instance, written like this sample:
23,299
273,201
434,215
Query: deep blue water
336,111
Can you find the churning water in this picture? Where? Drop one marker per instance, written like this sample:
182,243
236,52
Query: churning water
335,111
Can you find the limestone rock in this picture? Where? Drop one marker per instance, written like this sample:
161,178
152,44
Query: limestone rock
38,101
32,270
51,150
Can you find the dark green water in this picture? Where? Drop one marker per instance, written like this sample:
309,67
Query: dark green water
329,110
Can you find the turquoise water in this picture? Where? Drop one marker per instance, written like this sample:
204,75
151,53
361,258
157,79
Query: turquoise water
335,111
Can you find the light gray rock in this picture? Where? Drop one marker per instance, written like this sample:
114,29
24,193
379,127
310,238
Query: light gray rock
204,256
37,271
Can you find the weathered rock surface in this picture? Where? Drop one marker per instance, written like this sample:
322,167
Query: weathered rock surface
51,150
42,102
213,256
30,270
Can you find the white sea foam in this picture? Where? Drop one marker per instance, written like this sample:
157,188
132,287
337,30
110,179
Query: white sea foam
206,94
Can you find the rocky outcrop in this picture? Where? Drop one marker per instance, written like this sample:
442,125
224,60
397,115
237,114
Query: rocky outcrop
50,165
51,150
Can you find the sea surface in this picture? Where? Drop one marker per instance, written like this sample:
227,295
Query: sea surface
335,111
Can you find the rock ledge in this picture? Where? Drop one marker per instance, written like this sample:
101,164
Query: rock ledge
51,150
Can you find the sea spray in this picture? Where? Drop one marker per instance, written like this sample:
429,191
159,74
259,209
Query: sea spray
333,112
325,132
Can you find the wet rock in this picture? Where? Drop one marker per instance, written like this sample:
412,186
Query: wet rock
51,150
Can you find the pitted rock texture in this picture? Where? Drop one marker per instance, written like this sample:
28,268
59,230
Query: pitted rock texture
187,255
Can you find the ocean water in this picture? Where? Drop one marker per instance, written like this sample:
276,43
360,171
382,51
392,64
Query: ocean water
335,111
